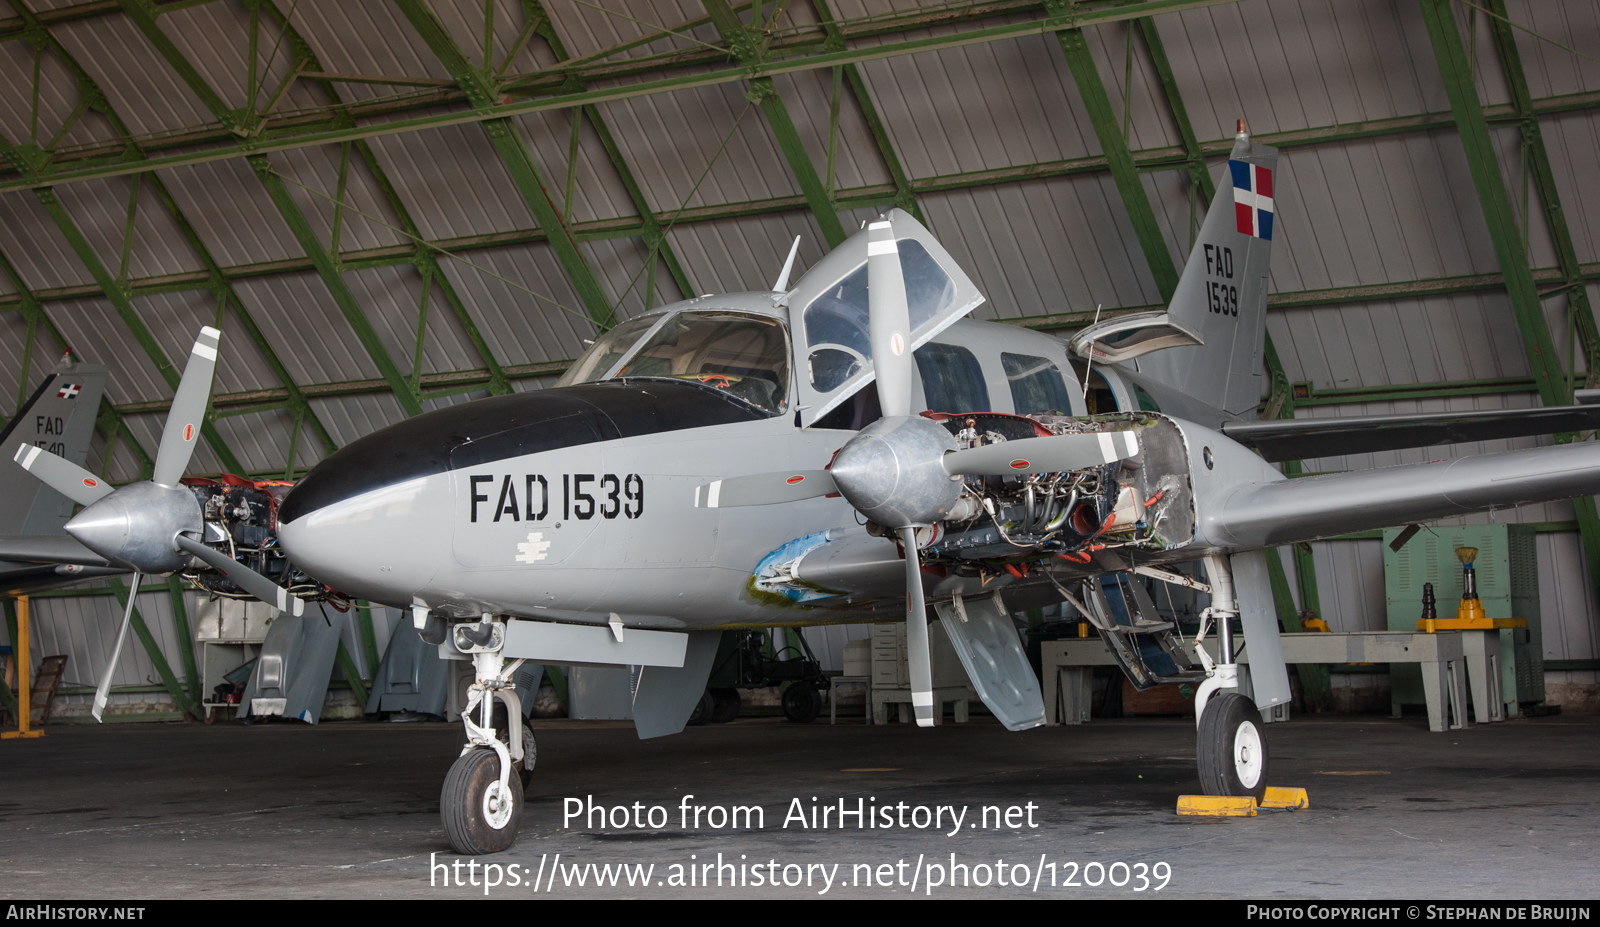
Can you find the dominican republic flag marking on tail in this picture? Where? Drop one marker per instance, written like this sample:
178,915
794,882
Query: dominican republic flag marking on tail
1252,198
69,391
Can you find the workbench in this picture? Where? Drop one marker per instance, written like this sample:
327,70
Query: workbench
1067,667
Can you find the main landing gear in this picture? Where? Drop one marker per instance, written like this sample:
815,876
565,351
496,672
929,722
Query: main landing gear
1230,747
481,802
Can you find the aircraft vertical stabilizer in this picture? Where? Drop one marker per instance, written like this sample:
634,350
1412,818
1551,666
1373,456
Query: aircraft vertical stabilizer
58,418
1221,298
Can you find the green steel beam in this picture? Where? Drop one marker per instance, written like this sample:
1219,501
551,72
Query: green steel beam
352,675
107,417
180,624
1119,158
216,280
653,235
421,255
744,43
118,297
1538,160
1543,359
1456,71
905,196
369,638
333,125
513,151
331,277
1579,312
153,650
143,14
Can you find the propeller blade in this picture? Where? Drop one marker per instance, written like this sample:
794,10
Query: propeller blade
889,321
62,475
917,652
188,410
254,583
102,692
1043,455
764,489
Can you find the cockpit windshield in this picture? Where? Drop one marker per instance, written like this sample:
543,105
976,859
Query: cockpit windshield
746,355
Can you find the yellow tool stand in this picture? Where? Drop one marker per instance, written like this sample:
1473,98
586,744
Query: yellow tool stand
24,688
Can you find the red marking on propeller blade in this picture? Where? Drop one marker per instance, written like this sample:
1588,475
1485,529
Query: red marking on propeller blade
188,432
795,479
1019,464
90,482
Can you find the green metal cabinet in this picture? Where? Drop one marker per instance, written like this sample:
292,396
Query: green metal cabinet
1508,585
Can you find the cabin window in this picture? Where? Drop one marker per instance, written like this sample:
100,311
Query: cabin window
1097,394
1036,385
952,381
836,322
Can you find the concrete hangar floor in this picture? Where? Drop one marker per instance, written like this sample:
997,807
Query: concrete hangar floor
348,810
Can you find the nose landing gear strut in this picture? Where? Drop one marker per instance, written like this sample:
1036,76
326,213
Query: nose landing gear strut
481,801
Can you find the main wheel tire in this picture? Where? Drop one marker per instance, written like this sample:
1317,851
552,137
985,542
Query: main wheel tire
801,703
1231,747
703,710
479,816
728,704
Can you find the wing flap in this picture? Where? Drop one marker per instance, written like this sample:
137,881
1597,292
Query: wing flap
1304,439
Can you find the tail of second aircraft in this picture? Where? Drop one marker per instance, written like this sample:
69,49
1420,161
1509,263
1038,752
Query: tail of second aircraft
59,418
1210,342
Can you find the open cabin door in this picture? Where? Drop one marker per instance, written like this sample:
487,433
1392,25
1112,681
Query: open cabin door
828,311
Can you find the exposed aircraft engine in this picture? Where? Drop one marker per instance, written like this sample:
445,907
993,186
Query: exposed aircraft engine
241,522
1143,502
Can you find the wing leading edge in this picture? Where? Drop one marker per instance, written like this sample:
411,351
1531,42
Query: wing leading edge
1304,439
1307,508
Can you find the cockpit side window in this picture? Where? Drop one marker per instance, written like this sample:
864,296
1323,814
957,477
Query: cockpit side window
606,351
746,355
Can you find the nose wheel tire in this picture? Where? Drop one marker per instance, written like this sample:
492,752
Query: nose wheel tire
1231,748
479,816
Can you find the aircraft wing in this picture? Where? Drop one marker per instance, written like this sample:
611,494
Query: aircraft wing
1302,439
48,548
1307,508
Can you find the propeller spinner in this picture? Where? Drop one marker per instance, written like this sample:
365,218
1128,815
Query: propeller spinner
904,471
151,526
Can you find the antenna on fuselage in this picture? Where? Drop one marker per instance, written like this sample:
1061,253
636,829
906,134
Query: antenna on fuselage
783,278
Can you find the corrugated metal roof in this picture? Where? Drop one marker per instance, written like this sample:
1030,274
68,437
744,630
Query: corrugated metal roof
229,209
392,297
141,87
1573,143
288,309
745,254
452,182
1465,336
34,246
58,97
99,208
1013,239
519,326
215,38
98,335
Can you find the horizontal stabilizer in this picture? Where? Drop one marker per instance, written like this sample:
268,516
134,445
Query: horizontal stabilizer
1307,508
1304,439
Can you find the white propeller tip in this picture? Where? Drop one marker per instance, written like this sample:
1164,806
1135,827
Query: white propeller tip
206,330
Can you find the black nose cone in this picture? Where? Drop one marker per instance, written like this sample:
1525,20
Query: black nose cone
502,427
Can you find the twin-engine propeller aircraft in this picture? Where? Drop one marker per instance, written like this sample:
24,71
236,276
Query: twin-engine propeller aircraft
759,459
